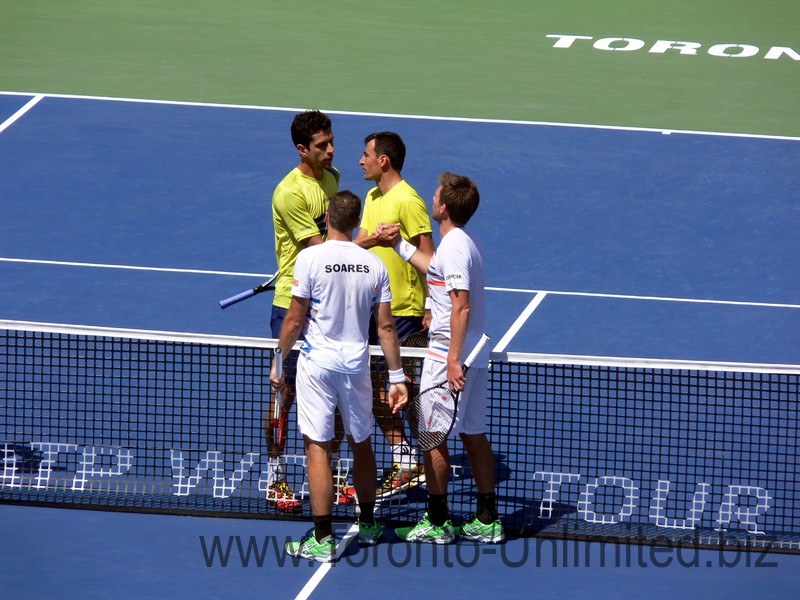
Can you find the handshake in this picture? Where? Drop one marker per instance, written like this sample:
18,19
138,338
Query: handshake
387,234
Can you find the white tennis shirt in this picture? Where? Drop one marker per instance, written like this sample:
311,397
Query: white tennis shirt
342,282
457,264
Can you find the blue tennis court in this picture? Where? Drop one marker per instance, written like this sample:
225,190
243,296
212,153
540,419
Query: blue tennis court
616,242
651,245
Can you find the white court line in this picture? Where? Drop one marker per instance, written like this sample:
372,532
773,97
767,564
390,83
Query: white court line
649,298
62,263
540,295
521,320
323,570
488,288
658,130
13,118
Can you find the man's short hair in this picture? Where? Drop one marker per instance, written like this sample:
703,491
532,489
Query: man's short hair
391,145
460,195
308,123
344,211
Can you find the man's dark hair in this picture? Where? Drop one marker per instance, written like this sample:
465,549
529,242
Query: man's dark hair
390,144
460,195
306,124
344,211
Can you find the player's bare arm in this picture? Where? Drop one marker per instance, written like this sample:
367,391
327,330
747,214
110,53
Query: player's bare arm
459,322
312,241
385,235
290,333
397,397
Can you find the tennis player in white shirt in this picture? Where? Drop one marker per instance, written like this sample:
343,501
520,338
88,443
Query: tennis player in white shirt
455,276
337,285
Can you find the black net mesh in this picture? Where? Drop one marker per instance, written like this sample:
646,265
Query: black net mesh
639,452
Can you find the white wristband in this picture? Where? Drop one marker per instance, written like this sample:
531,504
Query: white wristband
397,376
405,250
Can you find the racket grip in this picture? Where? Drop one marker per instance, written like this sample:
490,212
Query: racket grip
276,415
278,358
223,304
477,350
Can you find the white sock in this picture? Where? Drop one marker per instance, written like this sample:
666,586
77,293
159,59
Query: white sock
404,455
274,469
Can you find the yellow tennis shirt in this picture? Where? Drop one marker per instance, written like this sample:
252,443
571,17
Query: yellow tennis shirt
299,204
401,205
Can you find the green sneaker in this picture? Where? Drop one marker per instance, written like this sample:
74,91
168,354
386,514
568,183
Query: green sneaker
477,531
369,534
427,532
308,547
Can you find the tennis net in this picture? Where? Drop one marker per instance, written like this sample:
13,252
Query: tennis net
641,451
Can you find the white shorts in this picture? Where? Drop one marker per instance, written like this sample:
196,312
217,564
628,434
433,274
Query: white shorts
320,391
471,408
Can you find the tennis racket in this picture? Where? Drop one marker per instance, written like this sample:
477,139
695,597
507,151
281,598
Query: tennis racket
267,286
429,417
418,339
278,414
413,364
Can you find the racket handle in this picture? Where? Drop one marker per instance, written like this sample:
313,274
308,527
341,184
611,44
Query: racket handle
223,304
476,351
278,358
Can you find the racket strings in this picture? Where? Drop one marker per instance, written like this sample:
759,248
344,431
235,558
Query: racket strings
412,365
430,417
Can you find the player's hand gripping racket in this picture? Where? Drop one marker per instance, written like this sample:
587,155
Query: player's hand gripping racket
278,414
267,286
430,416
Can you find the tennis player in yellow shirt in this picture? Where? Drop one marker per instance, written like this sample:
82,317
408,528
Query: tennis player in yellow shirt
299,204
394,201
